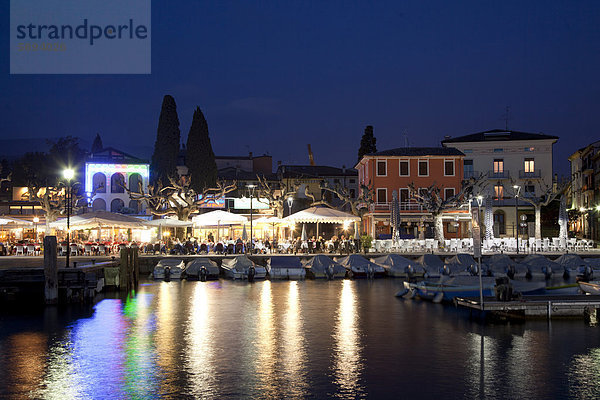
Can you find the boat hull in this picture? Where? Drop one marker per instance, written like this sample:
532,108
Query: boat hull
287,273
590,287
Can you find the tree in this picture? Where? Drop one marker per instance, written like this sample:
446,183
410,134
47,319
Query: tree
179,197
200,158
97,146
65,153
358,206
166,147
276,197
53,200
547,194
431,200
367,143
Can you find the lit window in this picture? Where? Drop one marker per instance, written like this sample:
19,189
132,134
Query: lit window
498,166
499,192
529,165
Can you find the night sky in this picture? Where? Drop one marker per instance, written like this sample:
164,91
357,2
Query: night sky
272,77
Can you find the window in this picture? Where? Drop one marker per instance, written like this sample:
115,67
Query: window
498,150
468,169
498,165
423,168
352,180
499,223
99,182
404,168
381,168
98,205
529,165
448,193
528,149
403,195
467,151
448,167
423,192
135,181
353,193
117,183
336,180
381,196
116,205
452,227
529,191
499,192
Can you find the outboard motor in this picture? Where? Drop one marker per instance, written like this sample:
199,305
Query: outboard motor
370,272
474,269
251,273
202,274
446,270
504,290
510,272
547,272
586,274
329,272
167,274
410,271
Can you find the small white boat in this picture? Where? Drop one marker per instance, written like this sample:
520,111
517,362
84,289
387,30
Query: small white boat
321,266
360,267
202,269
168,268
285,267
241,267
590,287
399,267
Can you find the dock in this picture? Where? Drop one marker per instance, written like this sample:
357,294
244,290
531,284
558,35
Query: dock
539,306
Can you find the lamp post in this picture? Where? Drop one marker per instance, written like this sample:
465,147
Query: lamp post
477,247
251,194
68,174
35,222
517,191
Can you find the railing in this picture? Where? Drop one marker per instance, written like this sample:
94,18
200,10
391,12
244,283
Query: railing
404,206
536,173
471,174
498,175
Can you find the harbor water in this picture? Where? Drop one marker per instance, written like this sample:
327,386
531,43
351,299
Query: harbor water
308,339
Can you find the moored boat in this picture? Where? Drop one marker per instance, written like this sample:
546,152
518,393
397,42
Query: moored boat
168,268
590,287
285,267
447,289
202,269
399,267
241,267
321,266
360,267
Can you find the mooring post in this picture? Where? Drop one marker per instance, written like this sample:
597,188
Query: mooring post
123,270
136,265
50,270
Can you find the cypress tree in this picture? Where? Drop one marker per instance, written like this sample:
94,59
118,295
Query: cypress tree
200,158
166,147
97,145
367,143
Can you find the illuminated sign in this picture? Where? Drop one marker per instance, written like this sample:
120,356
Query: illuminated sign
212,202
257,203
109,169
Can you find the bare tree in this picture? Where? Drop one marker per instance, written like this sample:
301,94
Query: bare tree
359,205
277,197
178,197
53,200
547,194
432,201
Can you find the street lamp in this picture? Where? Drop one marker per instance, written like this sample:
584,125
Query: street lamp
251,194
290,201
477,247
35,222
68,174
517,190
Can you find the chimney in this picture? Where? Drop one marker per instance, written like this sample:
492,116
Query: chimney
250,154
344,169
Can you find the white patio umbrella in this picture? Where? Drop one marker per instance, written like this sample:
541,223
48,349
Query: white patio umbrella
322,215
6,220
218,218
304,236
272,221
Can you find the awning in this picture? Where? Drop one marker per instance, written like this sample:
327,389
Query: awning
100,219
168,223
219,217
321,215
6,220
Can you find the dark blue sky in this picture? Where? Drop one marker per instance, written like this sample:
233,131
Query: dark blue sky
275,76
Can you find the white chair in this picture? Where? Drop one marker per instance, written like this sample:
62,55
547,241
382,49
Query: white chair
20,250
74,249
87,249
30,250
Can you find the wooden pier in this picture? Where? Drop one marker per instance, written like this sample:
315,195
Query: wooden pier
542,306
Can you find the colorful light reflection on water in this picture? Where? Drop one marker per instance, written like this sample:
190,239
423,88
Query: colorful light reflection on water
343,339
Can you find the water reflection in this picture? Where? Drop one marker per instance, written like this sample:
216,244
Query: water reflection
347,351
26,360
293,346
265,357
199,337
583,374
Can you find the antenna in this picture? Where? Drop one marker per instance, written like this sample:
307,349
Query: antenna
405,136
310,156
506,117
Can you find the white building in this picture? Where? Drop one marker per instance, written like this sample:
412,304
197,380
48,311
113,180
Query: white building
107,173
508,159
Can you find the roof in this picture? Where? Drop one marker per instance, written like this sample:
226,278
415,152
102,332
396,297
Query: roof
497,135
232,173
110,154
314,171
418,151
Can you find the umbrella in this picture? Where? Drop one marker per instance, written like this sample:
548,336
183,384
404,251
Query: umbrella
304,237
100,219
4,220
395,217
244,234
169,222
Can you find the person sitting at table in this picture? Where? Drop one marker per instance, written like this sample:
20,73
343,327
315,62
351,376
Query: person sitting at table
267,246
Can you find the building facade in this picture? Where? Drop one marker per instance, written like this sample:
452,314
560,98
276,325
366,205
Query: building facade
507,159
584,196
394,170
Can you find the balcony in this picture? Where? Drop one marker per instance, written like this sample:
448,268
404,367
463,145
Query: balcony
471,174
404,206
498,175
536,174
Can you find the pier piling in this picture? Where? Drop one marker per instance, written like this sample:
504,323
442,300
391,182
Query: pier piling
50,270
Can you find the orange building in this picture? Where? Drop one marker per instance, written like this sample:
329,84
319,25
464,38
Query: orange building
393,170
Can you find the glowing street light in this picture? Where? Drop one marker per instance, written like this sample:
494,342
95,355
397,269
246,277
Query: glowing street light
35,222
517,191
251,188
